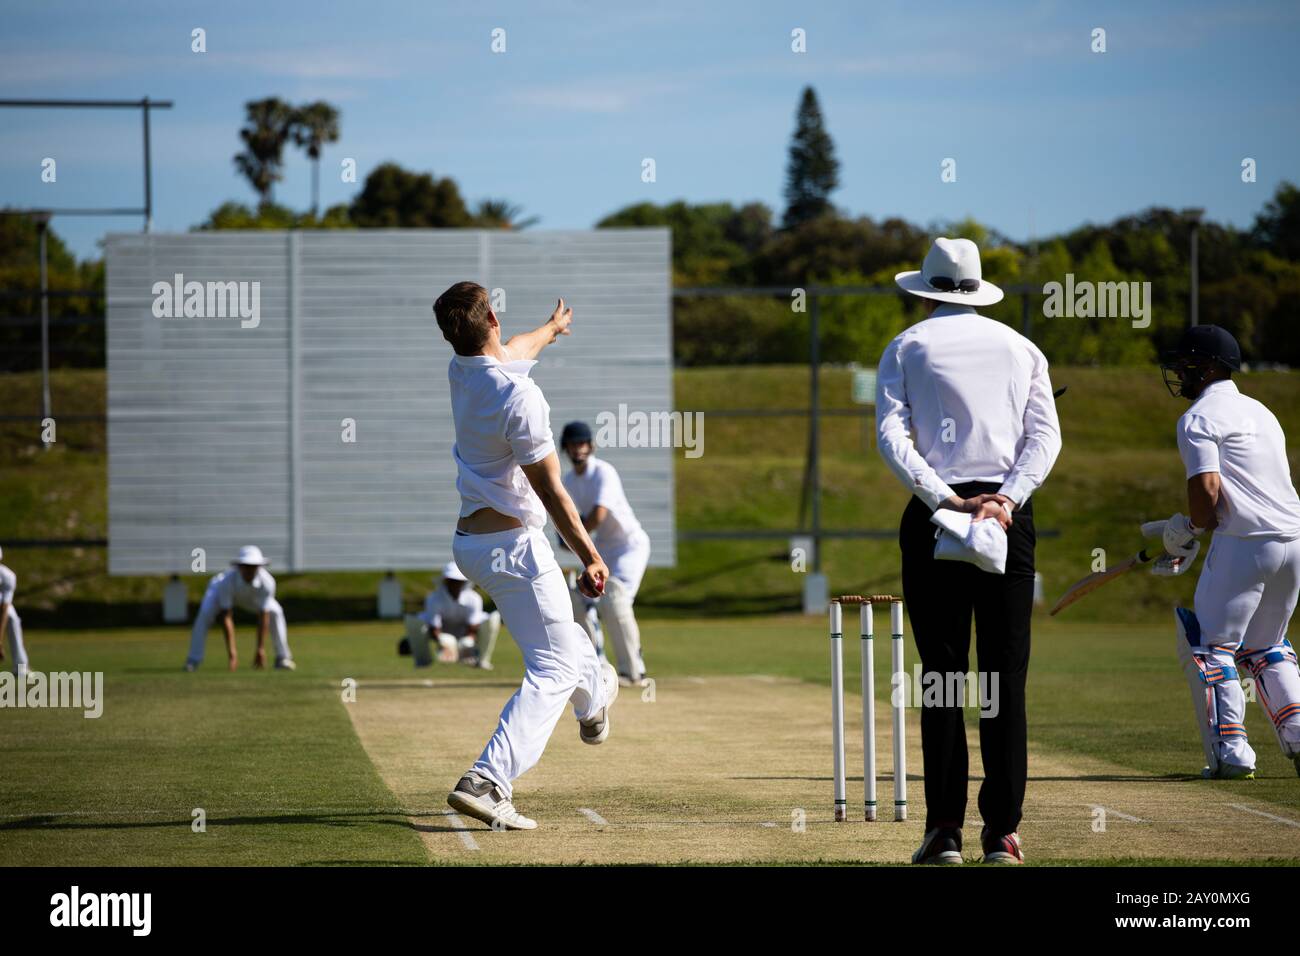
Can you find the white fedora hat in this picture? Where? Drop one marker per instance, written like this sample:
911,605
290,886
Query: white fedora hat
951,273
251,554
450,571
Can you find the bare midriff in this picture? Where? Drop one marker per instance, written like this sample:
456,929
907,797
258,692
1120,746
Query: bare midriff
487,521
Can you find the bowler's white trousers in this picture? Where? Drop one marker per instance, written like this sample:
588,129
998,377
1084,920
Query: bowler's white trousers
1245,597
517,569
207,616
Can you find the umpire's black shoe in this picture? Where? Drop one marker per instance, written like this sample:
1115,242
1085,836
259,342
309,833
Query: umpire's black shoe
942,845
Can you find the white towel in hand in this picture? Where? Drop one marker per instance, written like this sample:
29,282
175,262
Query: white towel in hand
982,543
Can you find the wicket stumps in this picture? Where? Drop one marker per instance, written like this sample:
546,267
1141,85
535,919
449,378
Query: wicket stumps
868,703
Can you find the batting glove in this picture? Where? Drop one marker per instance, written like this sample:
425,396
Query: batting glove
1172,565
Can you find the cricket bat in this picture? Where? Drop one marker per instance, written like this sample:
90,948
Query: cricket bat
1095,580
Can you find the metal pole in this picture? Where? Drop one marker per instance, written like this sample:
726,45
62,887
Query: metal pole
814,429
45,327
1196,292
148,170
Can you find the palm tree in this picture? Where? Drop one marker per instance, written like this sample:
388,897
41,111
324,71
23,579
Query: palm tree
314,125
264,134
501,214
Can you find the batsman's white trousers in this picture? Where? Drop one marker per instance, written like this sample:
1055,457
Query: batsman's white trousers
1244,601
207,616
517,569
617,619
16,648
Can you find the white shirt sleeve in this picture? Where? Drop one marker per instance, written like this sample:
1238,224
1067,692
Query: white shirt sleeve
606,487
268,583
528,426
8,585
893,424
1198,445
226,590
1042,438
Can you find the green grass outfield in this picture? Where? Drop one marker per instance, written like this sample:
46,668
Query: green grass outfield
276,764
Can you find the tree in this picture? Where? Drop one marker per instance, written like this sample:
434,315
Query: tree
1277,227
393,196
501,214
265,132
312,127
813,171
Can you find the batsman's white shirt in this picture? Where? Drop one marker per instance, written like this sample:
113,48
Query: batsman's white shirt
976,397
454,615
620,539
1238,437
8,587
502,421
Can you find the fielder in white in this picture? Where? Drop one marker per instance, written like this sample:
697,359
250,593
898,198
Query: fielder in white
597,492
508,476
249,586
453,613
11,626
1239,487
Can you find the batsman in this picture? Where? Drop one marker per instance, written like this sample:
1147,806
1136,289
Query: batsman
1239,488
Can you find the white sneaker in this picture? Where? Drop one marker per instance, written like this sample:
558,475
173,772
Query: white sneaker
286,664
595,731
477,797
190,667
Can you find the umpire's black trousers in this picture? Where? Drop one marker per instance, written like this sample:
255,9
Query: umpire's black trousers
941,597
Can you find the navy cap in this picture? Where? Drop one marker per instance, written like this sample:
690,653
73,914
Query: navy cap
575,432
1210,341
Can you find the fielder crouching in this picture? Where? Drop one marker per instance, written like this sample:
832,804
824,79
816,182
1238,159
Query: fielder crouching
1239,487
248,585
453,616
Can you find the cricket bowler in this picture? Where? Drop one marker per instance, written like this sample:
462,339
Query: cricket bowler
1238,488
508,476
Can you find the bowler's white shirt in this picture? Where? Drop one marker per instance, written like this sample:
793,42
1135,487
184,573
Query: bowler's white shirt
601,485
960,397
8,585
1233,434
502,421
454,615
232,590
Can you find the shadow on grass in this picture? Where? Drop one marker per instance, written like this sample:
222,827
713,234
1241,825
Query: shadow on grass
48,822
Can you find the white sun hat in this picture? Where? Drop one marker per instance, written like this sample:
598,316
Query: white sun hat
451,572
951,266
251,554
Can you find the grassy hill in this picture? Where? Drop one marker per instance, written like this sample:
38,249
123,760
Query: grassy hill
1119,467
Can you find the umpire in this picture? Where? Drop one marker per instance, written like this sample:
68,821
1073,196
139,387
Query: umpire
966,420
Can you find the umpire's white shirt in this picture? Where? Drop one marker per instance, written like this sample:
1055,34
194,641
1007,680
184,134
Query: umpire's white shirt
1233,434
960,397
502,422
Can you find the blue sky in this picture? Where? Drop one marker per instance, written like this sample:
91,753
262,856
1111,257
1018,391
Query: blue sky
1046,134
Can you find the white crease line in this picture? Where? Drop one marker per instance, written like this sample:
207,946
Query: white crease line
1275,819
462,831
770,825
765,678
1110,811
695,680
593,816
